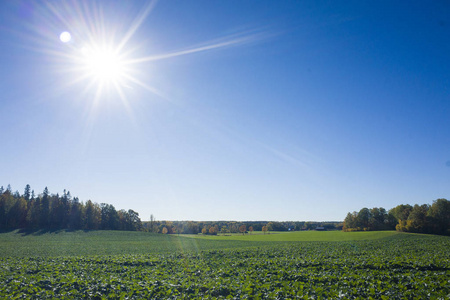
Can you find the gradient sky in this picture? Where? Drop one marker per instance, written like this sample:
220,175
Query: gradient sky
235,110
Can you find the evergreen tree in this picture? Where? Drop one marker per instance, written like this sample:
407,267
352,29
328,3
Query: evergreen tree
27,192
92,215
53,211
76,215
34,213
45,209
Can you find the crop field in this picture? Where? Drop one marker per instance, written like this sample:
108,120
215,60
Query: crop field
134,265
305,236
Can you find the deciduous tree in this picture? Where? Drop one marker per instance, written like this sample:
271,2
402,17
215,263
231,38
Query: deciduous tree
212,230
264,229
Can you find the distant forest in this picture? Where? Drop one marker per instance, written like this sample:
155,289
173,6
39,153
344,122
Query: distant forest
54,211
434,218
46,211
226,227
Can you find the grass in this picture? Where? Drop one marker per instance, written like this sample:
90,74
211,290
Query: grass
85,243
303,236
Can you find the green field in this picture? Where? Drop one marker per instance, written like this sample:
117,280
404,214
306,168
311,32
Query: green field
297,265
81,243
303,236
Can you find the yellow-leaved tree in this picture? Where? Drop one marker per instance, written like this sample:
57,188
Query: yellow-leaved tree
264,229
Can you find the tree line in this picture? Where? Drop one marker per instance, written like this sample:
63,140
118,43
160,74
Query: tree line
434,218
227,227
50,211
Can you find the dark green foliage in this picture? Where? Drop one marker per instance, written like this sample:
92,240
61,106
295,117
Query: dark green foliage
401,212
54,212
424,218
27,192
369,219
109,217
401,267
439,213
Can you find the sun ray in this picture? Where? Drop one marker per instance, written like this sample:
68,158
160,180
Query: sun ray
209,46
136,24
146,86
126,105
101,59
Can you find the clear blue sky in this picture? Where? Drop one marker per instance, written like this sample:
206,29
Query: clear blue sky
229,110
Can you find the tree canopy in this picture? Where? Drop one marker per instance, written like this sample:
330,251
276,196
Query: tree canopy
434,218
49,211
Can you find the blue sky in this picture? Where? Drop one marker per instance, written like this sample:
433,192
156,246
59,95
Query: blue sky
231,110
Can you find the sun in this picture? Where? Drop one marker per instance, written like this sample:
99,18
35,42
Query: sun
105,68
103,64
106,59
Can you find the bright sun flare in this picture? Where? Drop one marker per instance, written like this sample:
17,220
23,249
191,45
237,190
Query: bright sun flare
101,56
103,64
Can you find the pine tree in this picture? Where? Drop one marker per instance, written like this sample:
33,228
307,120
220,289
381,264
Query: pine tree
27,192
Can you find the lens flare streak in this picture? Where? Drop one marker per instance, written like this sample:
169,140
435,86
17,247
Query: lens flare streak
94,48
